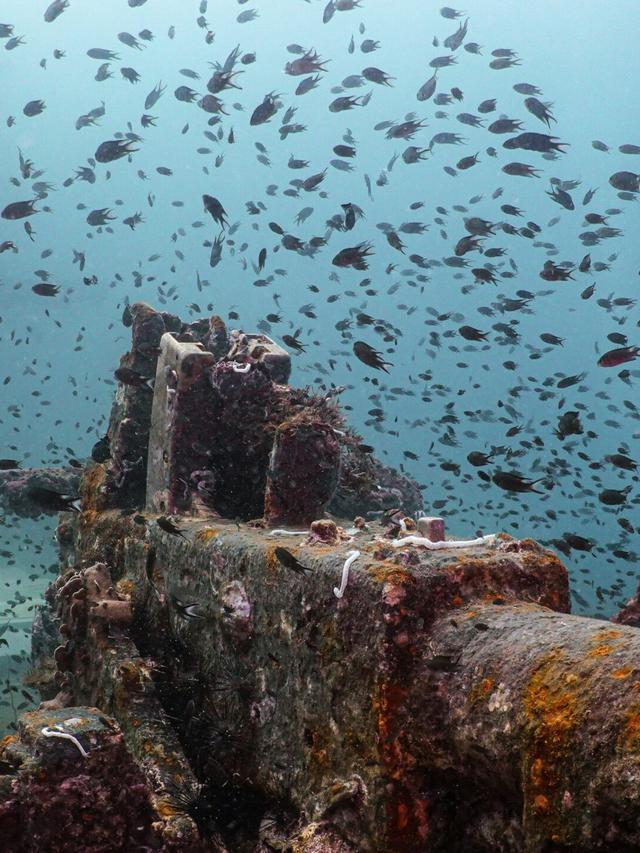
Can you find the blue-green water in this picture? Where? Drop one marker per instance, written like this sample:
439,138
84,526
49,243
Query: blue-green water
445,397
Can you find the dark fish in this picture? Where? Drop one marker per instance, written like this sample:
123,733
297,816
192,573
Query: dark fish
588,292
478,459
469,333
511,481
354,256
561,197
8,464
19,209
186,611
46,289
166,524
53,501
184,93
101,450
568,381
621,355
428,87
376,75
287,559
293,342
101,53
628,181
620,460
487,106
629,149
526,89
535,142
369,356
213,206
444,662
154,96
114,149
130,41
131,377
569,424
539,109
34,108
345,102
578,543
522,170
266,110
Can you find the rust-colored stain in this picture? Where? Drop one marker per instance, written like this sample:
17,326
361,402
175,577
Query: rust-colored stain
541,804
206,534
622,673
402,816
407,818
92,495
407,822
165,809
481,689
630,736
553,704
603,634
125,586
273,563
388,572
600,651
318,759
391,697
603,642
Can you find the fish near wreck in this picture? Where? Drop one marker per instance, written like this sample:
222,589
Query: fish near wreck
114,149
620,355
539,142
265,111
213,206
19,209
369,356
511,481
55,10
354,256
625,181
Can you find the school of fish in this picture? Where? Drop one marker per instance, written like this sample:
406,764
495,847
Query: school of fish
300,199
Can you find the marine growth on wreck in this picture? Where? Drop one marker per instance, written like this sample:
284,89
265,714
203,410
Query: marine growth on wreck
318,323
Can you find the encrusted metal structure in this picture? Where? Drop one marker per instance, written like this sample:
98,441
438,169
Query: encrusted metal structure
255,636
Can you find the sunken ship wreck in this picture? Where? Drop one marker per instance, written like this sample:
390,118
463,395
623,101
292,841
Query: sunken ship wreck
257,642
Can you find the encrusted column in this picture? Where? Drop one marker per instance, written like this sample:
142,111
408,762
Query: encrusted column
181,433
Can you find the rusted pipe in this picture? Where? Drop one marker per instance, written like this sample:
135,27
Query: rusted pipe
533,719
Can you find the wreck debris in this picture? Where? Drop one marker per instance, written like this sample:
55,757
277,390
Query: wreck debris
303,471
252,709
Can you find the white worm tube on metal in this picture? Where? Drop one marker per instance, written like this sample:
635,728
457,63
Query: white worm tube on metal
47,732
282,532
351,557
437,546
241,368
